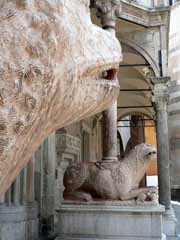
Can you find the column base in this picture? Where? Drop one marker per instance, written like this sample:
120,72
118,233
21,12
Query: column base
109,221
170,223
19,222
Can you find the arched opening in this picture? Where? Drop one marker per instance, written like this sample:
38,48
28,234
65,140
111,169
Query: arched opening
135,129
136,114
135,83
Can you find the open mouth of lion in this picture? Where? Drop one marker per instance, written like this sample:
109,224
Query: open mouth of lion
103,75
110,74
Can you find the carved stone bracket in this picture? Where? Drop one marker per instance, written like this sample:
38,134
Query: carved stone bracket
160,93
108,10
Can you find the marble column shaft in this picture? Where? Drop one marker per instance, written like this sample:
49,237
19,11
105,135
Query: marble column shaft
107,11
161,101
109,133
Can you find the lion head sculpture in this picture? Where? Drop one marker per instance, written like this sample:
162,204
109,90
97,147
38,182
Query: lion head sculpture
145,152
56,67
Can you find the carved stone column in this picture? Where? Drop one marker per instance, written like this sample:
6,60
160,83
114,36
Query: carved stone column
107,11
160,99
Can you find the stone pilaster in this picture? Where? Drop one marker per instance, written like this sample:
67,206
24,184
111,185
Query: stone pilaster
49,177
8,196
30,180
107,11
23,189
16,191
2,199
160,99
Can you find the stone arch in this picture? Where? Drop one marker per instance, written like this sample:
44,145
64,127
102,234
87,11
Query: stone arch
134,78
134,112
143,53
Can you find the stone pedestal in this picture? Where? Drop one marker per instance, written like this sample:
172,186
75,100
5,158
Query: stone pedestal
109,220
170,223
176,208
19,222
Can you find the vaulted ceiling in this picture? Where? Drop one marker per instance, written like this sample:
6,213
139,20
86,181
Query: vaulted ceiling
134,71
136,89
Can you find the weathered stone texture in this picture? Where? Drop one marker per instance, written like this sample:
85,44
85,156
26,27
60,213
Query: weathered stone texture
109,221
174,91
19,222
51,63
117,180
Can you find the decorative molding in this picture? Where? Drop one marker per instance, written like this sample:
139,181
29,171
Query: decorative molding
160,80
67,141
108,10
160,93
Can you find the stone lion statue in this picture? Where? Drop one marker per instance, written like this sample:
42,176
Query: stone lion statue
118,180
56,68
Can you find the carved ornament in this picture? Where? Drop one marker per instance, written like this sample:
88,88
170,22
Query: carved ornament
108,10
160,93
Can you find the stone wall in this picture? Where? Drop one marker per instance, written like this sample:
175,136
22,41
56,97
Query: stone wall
47,187
174,90
75,143
19,222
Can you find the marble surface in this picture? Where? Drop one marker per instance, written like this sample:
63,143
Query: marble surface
109,221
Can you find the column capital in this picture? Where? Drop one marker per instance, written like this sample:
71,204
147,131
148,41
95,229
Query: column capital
160,92
108,10
160,80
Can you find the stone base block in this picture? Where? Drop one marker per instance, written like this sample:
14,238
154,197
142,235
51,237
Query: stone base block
109,221
170,223
176,207
19,222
